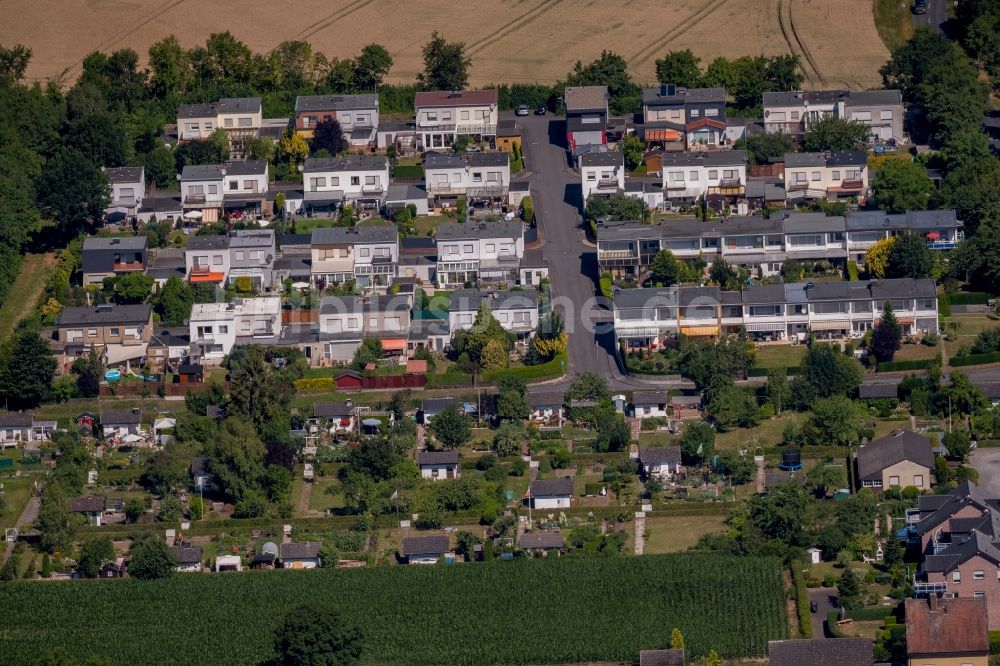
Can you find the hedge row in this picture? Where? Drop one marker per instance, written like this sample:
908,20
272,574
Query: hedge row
896,366
969,298
995,642
531,373
975,359
528,210
801,600
762,372
449,380
944,305
879,613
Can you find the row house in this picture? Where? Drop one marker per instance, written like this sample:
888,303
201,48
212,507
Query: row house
361,181
959,540
207,259
516,311
479,251
357,115
643,318
120,333
827,175
586,116
215,328
345,321
240,117
105,257
479,177
687,177
794,112
443,116
128,189
677,119
367,255
251,259
238,186
602,174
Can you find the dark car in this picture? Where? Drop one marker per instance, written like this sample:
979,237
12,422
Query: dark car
813,607
540,111
920,6
521,110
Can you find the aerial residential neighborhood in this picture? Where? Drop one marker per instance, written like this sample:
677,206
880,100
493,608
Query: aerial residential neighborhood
680,347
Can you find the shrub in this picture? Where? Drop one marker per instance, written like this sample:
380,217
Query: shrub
607,288
801,600
316,385
528,210
968,298
852,271
944,305
920,364
975,359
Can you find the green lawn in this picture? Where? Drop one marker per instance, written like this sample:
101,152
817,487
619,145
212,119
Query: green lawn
917,352
893,22
675,534
25,292
768,433
964,329
426,224
17,492
306,226
779,356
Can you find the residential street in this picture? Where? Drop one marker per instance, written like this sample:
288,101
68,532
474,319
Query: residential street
936,16
987,463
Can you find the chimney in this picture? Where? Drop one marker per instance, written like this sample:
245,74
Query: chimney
932,601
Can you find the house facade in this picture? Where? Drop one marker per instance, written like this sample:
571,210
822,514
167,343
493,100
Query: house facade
120,332
687,177
898,460
21,428
480,251
443,116
215,328
424,549
946,632
207,259
660,463
361,181
516,311
830,175
551,493
252,254
586,116
438,465
368,255
602,174
240,117
650,404
795,112
128,189
478,176
357,115
675,118
105,257
345,321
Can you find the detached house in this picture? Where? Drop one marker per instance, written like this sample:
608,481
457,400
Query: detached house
128,189
91,507
234,187
650,404
586,116
368,255
335,417
831,175
438,465
546,410
660,463
21,428
300,555
900,459
117,424
361,181
477,176
551,494
105,257
443,116
479,251
424,549
676,118
602,174
357,115
516,311
188,558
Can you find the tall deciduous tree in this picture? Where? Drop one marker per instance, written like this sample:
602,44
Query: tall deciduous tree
174,301
451,428
665,268
511,401
73,191
149,558
371,67
236,458
877,257
26,369
55,522
328,135
832,133
902,185
697,442
446,67
682,68
93,554
909,257
314,634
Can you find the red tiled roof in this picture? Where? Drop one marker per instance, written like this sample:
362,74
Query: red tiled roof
946,626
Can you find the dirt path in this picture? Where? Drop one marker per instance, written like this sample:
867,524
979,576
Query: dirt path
27,517
307,488
26,290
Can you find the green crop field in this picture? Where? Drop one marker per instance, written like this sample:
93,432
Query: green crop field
526,611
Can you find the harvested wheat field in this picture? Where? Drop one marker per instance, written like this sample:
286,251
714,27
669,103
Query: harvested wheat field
508,40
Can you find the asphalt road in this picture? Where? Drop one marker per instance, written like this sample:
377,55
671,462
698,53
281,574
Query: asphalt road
824,598
987,463
936,16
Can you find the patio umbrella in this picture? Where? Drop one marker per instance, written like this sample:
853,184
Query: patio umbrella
933,235
300,285
371,423
193,215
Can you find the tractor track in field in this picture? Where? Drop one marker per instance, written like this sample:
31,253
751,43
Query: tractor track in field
513,26
332,18
660,42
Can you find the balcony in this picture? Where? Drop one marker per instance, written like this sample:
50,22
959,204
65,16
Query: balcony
503,262
372,189
608,184
446,189
127,266
603,255
476,128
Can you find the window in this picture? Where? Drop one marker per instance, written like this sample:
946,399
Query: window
978,575
228,122
371,180
392,324
695,113
255,254
446,115
477,176
216,259
467,249
835,175
115,331
334,181
591,176
893,481
431,117
213,189
852,174
693,175
815,176
491,247
246,122
729,174
316,183
862,116
918,480
778,116
956,577
345,117
92,332
799,176
978,595
192,127
711,112
224,330
364,252
248,185
464,115
675,114
355,180
234,185
240,255
676,176
354,322
373,322
795,115
885,115
452,249
204,330
713,174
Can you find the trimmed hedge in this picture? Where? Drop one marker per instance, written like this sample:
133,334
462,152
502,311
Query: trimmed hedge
607,289
852,271
790,371
995,642
528,210
448,380
801,600
530,373
920,364
944,305
969,298
975,359
315,385
878,613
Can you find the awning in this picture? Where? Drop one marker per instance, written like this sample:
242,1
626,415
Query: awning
899,320
394,344
830,325
700,331
662,135
775,326
207,277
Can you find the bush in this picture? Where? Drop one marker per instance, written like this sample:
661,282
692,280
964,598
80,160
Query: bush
975,359
852,271
607,288
801,600
995,642
922,364
944,305
530,373
968,298
528,210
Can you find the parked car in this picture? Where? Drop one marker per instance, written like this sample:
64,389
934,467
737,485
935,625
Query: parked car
813,606
521,110
920,6
540,111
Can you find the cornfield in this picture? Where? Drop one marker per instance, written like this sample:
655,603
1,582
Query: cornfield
536,611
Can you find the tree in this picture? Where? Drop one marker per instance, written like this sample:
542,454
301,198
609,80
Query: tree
169,66
446,66
833,133
149,558
836,420
251,505
776,391
613,433
615,207
293,149
93,555
732,407
713,659
511,400
849,590
370,351
739,469
721,273
258,394
493,355
451,428
169,511
587,386
959,444
665,268
826,478
682,68
697,442
902,185
89,372
73,191
509,438
676,639
13,63
134,508
611,70
174,301
278,483
633,150
779,514
314,634
236,458
26,369
887,336
371,67
766,148
55,522
133,287
328,135
909,257
877,256
827,372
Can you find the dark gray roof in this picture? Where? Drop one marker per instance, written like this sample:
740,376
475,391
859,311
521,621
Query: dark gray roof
335,102
246,167
917,220
534,258
545,399
208,242
347,163
834,159
299,550
240,105
161,205
654,96
16,420
649,297
434,160
721,158
609,159
376,303
201,172
874,98
839,652
186,554
878,390
976,544
129,243
199,110
543,539
131,174
551,488
328,410
437,457
661,658
658,397
660,456
764,294
405,192
935,509
473,230
469,299
385,233
104,315
121,416
894,448
435,405
799,97
87,505
847,158
425,545
902,288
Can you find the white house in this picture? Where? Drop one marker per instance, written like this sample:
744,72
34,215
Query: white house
202,190
251,256
188,558
344,321
480,251
207,259
516,311
431,407
438,465
551,493
240,117
361,181
650,404
443,116
300,555
335,417
21,428
244,186
119,423
660,463
602,174
546,409
368,255
215,328
477,176
826,175
128,189
686,177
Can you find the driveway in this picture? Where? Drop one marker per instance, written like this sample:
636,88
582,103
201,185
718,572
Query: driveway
987,463
824,598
